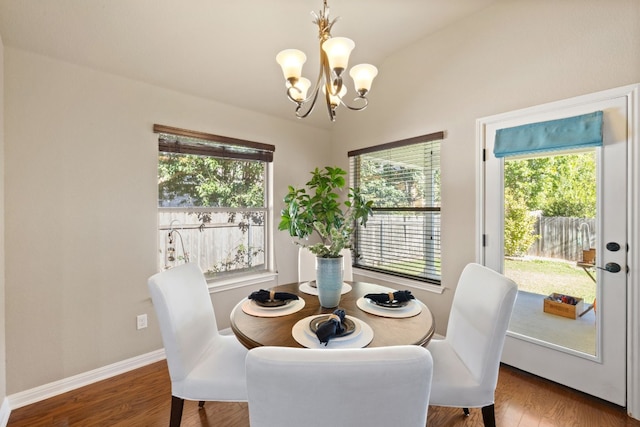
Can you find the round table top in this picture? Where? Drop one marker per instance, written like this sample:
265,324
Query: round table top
255,331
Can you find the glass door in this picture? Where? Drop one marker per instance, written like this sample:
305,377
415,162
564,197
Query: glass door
550,230
553,222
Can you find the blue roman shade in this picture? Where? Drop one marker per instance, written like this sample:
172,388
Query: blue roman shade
563,134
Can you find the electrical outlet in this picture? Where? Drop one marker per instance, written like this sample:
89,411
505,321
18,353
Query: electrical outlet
141,321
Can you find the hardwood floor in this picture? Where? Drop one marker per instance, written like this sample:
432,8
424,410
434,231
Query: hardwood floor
142,398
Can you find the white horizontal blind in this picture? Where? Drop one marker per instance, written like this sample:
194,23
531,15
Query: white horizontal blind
402,178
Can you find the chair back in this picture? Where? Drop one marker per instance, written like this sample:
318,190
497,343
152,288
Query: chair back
479,318
373,387
346,264
307,265
187,321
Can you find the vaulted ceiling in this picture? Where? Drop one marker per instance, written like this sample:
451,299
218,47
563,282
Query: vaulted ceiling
220,50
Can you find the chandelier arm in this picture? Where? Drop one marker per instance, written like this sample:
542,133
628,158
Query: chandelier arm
292,98
314,92
335,87
313,99
316,86
330,110
354,108
326,72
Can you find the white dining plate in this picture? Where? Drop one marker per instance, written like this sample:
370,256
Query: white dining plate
271,302
302,334
251,308
392,305
273,305
315,321
412,309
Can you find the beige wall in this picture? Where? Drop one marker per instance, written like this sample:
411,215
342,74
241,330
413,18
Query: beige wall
80,165
81,187
3,377
512,55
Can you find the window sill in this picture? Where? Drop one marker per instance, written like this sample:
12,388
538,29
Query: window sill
399,280
240,282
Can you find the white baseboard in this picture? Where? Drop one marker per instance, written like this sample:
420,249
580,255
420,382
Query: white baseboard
5,411
55,388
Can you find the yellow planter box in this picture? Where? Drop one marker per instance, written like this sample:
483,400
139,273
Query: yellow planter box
589,256
553,304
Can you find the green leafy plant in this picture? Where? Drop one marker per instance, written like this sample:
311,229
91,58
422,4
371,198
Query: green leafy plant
317,208
518,225
560,185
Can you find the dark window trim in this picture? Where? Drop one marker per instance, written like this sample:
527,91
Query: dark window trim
395,144
222,146
397,274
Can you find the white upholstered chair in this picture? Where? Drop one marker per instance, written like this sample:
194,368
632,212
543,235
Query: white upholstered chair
467,361
373,387
307,265
203,365
347,264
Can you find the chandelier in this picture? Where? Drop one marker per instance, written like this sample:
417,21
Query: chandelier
334,59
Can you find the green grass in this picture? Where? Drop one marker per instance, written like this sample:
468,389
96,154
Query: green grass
545,277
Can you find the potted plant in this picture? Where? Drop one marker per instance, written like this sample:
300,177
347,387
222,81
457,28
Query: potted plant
317,210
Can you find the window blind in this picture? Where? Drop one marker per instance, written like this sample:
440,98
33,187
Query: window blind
402,237
562,134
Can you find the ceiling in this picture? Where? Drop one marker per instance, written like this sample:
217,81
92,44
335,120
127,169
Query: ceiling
219,50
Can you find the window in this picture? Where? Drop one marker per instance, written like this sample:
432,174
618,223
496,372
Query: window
212,202
402,238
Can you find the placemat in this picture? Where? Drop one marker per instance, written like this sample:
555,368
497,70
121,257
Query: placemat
308,289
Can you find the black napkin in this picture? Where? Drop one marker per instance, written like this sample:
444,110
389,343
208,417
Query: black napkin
332,327
400,296
264,296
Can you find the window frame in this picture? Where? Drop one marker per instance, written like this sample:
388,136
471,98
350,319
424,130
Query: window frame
355,181
183,141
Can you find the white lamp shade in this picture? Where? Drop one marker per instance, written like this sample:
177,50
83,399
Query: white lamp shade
291,61
338,50
303,86
363,75
335,99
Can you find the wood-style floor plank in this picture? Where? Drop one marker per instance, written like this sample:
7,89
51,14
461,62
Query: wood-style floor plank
143,397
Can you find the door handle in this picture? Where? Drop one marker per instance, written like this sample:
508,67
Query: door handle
613,246
611,267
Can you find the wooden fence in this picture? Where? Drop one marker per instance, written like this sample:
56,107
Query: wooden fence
214,246
563,237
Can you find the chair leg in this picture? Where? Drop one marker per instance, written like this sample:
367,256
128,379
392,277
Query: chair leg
466,411
201,404
176,411
489,416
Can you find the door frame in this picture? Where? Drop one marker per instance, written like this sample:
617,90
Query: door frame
632,93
